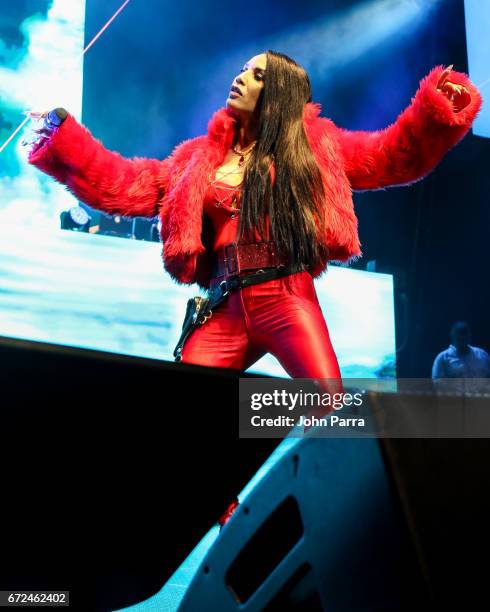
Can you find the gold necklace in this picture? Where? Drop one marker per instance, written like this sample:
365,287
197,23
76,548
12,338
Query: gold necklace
242,153
215,180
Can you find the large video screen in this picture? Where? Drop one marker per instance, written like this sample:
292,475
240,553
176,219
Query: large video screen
106,292
477,20
41,67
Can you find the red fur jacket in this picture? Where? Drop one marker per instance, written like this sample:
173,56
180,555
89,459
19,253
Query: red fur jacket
174,188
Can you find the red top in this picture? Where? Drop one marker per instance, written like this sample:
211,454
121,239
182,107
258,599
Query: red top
222,205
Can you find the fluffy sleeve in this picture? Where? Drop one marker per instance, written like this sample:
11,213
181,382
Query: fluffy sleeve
98,177
413,145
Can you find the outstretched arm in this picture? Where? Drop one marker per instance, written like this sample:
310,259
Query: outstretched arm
98,177
440,114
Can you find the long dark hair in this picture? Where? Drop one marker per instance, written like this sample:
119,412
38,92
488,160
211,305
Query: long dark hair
293,202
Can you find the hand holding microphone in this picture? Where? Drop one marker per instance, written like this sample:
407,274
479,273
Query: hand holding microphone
44,124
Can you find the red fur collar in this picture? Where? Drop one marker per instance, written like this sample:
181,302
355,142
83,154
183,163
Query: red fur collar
222,124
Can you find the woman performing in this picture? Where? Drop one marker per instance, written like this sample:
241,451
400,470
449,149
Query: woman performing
255,209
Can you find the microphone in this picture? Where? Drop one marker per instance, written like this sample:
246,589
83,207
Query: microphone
55,118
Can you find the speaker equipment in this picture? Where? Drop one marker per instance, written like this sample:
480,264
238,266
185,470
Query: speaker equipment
350,524
113,467
142,228
115,226
108,487
319,529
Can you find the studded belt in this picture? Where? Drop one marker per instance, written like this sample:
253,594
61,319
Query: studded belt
235,258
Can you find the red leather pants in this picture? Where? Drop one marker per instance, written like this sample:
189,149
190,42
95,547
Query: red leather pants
281,316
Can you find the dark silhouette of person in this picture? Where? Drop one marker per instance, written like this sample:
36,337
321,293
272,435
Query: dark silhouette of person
461,359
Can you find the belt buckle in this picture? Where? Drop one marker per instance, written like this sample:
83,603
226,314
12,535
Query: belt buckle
231,260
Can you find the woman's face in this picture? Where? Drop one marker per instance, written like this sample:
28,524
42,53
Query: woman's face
247,85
